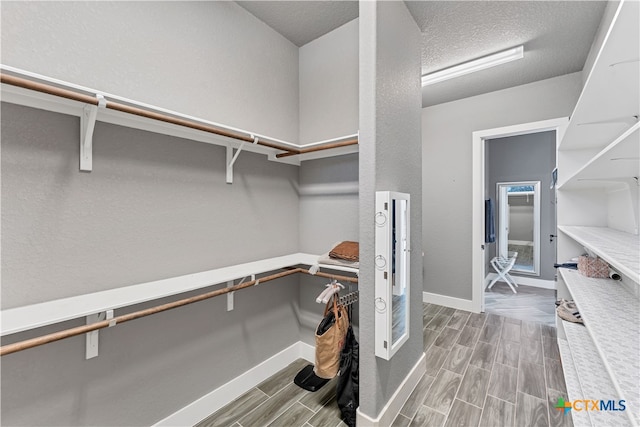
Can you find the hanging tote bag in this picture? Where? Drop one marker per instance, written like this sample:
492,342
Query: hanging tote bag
330,338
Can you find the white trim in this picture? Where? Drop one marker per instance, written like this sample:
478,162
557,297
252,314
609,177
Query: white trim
527,281
447,301
218,398
307,351
477,202
397,401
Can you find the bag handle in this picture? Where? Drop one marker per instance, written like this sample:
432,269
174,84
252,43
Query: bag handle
332,304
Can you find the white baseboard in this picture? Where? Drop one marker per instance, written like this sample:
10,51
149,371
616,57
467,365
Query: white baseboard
218,398
397,401
307,351
526,281
457,303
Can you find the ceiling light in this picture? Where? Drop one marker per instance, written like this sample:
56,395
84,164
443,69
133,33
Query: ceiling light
474,65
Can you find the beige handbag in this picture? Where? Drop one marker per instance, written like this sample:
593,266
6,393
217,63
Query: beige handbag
330,338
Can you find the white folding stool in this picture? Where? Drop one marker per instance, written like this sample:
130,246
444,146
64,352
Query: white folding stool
502,266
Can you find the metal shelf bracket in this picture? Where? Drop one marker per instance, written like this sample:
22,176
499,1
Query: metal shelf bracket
87,125
231,157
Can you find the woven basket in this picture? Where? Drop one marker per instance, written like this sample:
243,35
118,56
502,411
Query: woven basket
593,267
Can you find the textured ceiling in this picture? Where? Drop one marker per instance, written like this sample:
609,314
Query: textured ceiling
556,35
303,21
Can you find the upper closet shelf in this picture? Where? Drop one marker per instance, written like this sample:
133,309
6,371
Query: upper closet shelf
610,102
20,319
37,91
621,250
617,165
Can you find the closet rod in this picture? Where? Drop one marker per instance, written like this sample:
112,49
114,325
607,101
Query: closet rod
80,330
330,276
351,141
87,99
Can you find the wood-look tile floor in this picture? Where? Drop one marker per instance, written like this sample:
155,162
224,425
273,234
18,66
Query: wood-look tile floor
278,402
482,370
530,303
486,370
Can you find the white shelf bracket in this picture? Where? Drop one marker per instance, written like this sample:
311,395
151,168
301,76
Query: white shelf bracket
87,125
231,283
230,296
231,158
92,338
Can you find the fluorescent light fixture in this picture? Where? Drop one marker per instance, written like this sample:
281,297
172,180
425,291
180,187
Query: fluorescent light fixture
474,65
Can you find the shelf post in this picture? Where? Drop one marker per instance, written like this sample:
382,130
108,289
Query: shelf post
230,283
87,125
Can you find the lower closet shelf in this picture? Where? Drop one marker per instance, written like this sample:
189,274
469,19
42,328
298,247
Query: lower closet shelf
19,319
610,313
574,391
592,376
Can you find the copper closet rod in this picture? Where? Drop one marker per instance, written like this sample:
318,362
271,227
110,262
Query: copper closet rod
87,99
72,332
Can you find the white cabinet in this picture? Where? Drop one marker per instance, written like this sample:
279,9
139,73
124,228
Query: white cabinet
597,210
392,247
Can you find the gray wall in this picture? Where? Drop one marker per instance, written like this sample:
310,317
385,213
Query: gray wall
527,158
326,217
329,85
154,206
446,169
328,109
390,159
212,60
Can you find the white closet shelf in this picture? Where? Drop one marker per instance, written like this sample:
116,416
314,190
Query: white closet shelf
49,102
611,316
621,250
593,380
33,316
614,165
309,259
572,381
604,111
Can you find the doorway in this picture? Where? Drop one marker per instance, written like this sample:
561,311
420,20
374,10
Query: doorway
481,251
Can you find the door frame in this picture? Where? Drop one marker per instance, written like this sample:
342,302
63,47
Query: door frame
478,279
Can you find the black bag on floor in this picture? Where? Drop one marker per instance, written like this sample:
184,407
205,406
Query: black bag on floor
347,392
